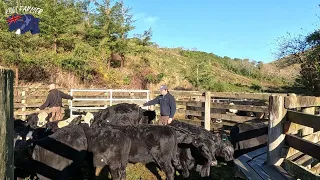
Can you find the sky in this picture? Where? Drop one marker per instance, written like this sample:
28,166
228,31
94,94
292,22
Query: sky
234,28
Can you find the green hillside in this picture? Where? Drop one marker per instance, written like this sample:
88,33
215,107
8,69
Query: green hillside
94,50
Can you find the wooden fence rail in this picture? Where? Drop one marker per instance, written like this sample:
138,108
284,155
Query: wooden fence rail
294,137
189,105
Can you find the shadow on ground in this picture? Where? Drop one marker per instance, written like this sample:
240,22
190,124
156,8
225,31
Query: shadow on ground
220,172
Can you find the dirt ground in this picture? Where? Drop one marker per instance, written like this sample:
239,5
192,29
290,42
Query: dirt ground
220,172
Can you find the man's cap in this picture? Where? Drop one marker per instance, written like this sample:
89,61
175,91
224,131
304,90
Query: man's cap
163,87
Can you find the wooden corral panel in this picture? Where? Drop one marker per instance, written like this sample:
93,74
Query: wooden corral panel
304,119
260,96
303,145
294,101
299,171
197,106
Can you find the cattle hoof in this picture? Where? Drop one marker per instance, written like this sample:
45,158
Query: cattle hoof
198,168
214,163
205,172
98,171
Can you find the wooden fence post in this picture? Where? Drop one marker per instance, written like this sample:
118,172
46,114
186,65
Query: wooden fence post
151,96
207,117
23,102
6,124
277,115
307,130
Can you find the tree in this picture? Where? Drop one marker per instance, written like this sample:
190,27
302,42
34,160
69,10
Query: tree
59,17
294,45
116,22
305,49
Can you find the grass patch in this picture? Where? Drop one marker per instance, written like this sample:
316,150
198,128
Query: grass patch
220,172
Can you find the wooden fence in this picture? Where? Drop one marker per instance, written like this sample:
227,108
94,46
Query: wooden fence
293,133
6,124
294,136
192,106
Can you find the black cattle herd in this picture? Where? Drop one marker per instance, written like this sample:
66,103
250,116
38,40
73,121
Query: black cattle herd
112,138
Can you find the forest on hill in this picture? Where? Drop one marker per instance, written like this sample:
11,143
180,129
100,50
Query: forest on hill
83,43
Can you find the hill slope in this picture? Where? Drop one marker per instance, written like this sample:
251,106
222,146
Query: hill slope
92,48
180,69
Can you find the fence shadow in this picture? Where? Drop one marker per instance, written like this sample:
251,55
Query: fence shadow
259,134
81,161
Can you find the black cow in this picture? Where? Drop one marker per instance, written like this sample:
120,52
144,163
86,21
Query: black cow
110,147
193,153
124,114
54,157
20,131
246,137
32,120
129,114
60,155
218,144
152,144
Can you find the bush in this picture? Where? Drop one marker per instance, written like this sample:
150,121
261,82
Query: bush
80,67
33,72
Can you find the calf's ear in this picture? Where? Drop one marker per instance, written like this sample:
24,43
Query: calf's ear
196,142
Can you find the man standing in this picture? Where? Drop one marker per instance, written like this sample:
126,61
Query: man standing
167,105
54,101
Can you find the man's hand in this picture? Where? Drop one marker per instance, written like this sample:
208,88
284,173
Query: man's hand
169,120
37,109
141,105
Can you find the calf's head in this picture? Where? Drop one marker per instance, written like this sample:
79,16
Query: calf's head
147,116
224,149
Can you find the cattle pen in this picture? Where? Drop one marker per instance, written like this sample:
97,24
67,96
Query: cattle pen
293,127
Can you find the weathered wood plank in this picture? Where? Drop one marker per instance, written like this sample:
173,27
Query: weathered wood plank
6,124
304,119
229,117
316,168
290,152
294,101
242,163
275,131
227,106
303,145
262,96
242,166
184,93
295,155
291,128
299,171
207,113
303,159
257,163
195,104
308,130
277,172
